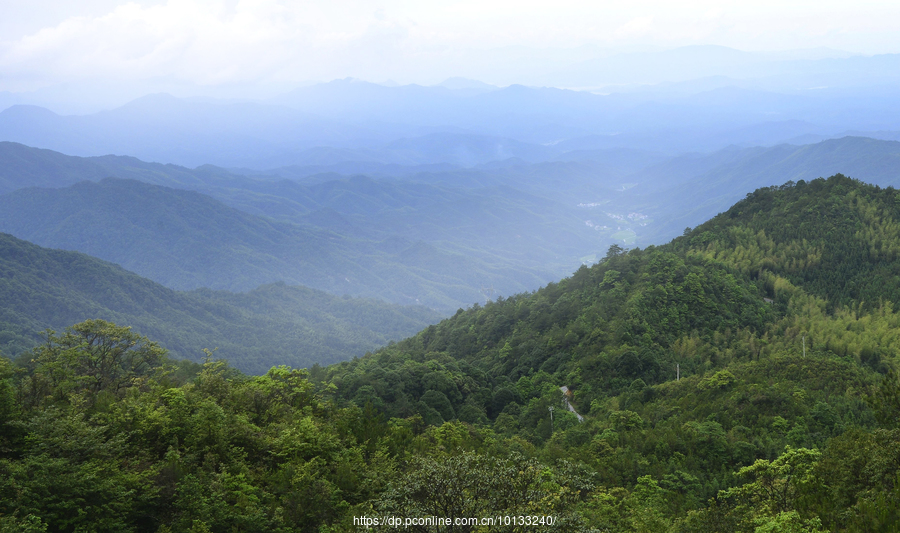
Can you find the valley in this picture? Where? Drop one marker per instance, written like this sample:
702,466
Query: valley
433,238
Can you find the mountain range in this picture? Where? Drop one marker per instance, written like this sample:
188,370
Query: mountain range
443,238
351,121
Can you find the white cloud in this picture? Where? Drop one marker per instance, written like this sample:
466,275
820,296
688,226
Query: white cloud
210,42
635,28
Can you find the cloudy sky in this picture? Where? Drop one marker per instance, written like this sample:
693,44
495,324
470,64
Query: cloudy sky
273,44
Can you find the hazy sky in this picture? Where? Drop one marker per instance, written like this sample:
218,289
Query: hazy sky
282,43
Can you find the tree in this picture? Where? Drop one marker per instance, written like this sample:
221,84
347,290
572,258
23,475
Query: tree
886,400
775,488
93,356
613,251
474,486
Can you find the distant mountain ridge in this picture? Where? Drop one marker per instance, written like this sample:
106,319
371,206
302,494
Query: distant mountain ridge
512,225
275,324
172,130
188,240
346,121
25,166
707,186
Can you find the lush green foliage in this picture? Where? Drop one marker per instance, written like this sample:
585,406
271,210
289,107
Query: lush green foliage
129,448
773,350
834,238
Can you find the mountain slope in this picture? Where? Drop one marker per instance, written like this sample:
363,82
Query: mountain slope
835,238
830,243
187,240
485,235
273,324
24,166
777,316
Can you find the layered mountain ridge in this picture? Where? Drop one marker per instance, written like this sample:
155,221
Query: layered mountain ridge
272,324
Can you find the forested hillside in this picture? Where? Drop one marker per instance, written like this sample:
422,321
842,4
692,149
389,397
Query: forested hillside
272,324
785,263
740,378
778,315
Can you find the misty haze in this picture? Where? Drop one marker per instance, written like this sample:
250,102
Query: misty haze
313,264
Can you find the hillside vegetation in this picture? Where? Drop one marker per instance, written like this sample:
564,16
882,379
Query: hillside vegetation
729,381
272,324
778,315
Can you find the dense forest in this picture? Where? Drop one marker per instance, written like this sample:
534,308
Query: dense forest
741,378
